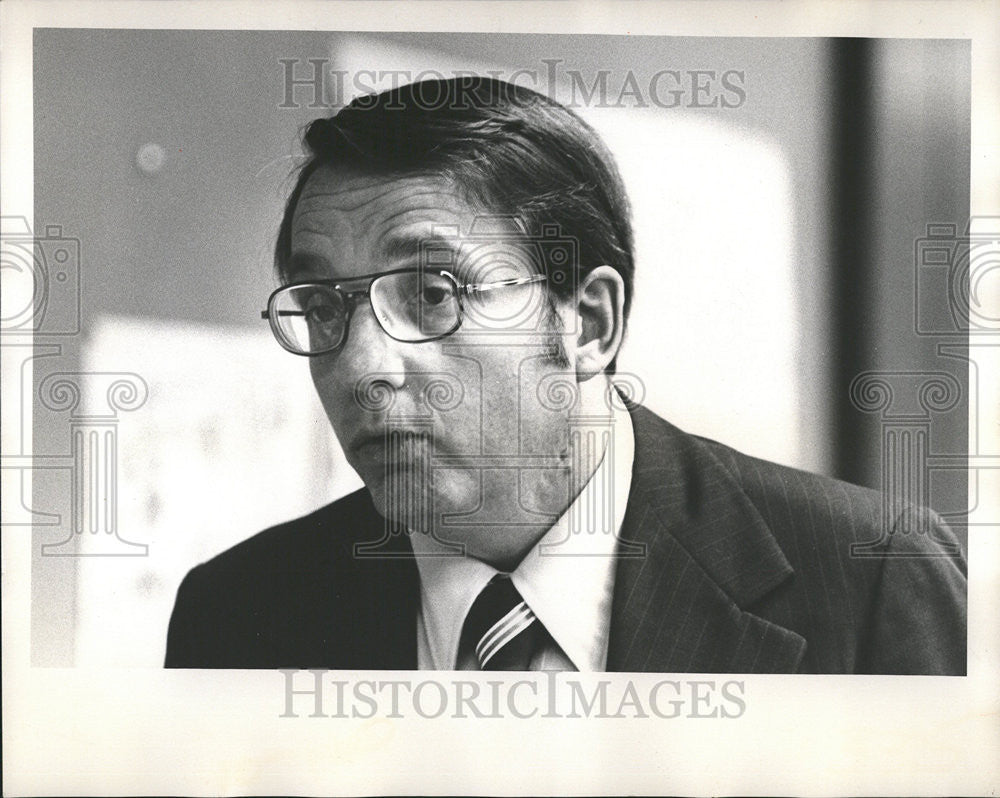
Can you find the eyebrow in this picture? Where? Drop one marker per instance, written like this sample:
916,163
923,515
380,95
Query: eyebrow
432,249
439,251
302,265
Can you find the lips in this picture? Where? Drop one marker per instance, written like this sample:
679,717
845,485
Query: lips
394,443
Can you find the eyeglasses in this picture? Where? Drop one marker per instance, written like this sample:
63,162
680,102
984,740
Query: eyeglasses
410,305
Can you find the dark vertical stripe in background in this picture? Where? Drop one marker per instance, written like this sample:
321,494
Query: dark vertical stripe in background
851,183
899,169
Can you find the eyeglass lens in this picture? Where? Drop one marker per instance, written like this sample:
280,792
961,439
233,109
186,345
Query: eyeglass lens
415,306
410,306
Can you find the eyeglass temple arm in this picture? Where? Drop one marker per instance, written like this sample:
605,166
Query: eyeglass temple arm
266,314
481,287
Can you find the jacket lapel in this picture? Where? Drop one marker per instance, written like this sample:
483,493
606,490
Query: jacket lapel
679,605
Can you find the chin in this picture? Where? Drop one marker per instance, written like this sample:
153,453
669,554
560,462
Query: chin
418,505
412,506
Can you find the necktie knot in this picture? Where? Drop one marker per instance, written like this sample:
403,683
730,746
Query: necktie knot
500,627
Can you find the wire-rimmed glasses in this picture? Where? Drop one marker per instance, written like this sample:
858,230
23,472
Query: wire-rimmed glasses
411,305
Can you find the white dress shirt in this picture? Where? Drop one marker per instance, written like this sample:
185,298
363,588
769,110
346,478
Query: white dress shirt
567,578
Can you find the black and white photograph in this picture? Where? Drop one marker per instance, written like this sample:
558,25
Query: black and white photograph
389,396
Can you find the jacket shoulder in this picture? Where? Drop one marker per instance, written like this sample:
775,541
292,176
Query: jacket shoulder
781,495
880,585
876,585
324,533
235,610
777,489
865,522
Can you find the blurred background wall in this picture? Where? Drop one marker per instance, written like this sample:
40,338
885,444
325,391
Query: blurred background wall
781,202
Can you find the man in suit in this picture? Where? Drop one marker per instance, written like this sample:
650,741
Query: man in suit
456,262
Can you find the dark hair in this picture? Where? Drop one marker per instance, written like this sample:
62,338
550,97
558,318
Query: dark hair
511,149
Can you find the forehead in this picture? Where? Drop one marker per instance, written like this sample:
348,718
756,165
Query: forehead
347,223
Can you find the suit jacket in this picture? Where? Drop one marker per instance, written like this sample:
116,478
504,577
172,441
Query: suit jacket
742,566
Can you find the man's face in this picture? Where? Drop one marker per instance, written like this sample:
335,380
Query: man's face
478,443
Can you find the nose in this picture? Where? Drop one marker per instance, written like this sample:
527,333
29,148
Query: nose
369,354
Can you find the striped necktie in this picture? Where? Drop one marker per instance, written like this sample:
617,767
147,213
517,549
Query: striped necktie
501,628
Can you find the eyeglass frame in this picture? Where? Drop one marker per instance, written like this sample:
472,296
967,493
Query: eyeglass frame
352,298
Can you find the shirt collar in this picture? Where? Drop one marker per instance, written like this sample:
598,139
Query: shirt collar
567,578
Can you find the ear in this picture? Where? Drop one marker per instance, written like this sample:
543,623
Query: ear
600,306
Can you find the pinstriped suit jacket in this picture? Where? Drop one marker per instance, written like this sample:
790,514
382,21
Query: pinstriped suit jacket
738,566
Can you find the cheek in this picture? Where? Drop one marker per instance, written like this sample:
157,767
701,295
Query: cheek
327,387
524,401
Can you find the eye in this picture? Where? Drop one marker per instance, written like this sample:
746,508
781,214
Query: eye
321,308
433,294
